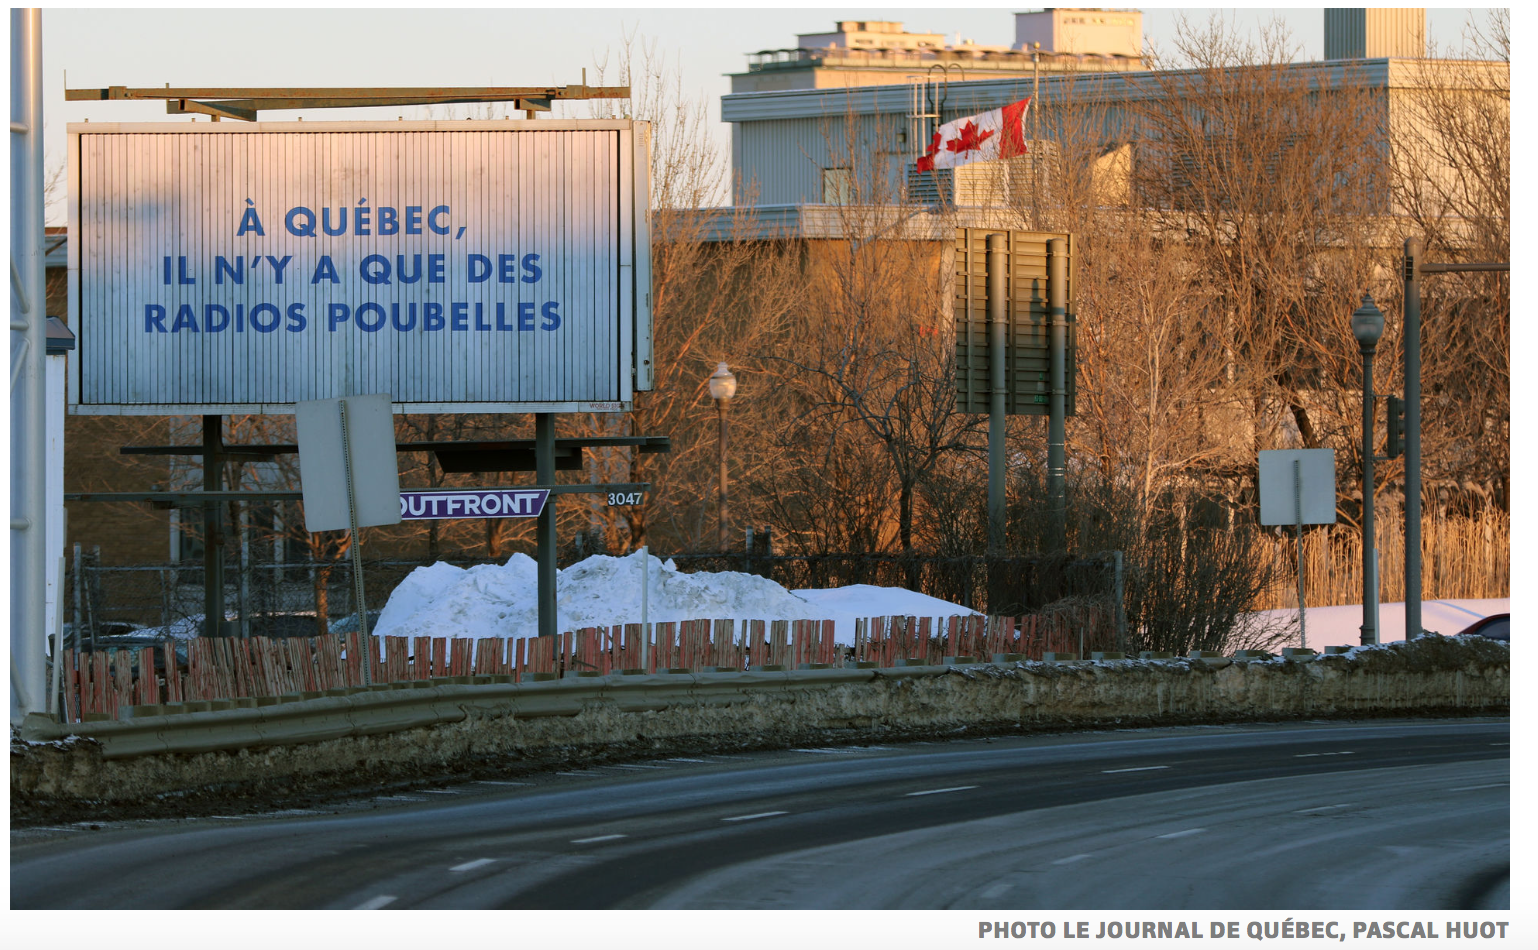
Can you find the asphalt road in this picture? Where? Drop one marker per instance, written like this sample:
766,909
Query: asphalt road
1296,816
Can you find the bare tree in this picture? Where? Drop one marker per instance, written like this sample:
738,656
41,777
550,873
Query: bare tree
1452,186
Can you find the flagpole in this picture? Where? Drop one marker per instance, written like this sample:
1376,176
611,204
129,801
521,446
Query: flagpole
1035,137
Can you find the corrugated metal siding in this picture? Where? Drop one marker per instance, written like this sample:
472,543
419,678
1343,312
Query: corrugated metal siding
1345,32
773,169
147,196
786,157
1358,33
1396,31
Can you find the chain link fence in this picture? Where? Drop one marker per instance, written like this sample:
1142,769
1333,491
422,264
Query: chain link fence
109,605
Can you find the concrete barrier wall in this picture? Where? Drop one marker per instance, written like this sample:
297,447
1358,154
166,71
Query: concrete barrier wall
433,728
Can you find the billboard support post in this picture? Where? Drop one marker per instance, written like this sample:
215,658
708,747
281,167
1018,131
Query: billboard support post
213,527
1057,311
544,529
998,297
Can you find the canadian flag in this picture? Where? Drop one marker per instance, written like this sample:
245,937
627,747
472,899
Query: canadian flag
978,138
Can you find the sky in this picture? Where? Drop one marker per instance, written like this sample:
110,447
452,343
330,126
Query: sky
405,46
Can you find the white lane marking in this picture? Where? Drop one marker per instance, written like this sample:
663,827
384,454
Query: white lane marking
439,791
56,828
635,766
374,903
940,791
1310,755
762,814
1182,834
595,838
582,774
825,751
231,817
294,811
398,798
1071,858
700,761
994,891
472,865
487,781
1310,811
1500,743
1475,788
1142,768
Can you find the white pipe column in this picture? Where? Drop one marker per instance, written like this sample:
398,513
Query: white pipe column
28,342
56,373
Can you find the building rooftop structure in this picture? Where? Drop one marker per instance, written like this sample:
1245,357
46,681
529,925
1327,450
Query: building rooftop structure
879,52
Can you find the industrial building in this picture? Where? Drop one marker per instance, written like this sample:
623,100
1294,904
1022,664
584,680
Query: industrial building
806,126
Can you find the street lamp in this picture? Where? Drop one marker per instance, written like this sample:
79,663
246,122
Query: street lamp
723,386
1367,327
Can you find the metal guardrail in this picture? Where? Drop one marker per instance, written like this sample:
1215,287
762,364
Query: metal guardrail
316,716
216,725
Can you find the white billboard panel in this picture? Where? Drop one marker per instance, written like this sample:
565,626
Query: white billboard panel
460,266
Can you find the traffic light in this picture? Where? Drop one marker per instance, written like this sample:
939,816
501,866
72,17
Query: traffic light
1395,427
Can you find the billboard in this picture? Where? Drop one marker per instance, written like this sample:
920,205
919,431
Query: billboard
1028,350
470,266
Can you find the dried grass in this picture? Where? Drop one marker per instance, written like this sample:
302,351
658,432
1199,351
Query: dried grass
1460,558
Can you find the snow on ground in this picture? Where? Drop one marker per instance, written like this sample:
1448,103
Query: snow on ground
844,604
1342,626
498,600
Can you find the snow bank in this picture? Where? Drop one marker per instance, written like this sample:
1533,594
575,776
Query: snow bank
1342,626
492,600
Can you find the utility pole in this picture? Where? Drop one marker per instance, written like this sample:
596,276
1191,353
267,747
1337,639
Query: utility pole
213,527
1057,405
998,292
544,525
29,476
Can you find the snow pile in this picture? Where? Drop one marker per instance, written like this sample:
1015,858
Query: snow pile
493,600
864,600
498,600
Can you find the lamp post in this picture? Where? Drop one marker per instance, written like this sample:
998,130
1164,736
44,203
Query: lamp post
1367,327
723,386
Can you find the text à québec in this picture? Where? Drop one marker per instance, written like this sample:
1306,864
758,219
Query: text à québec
426,317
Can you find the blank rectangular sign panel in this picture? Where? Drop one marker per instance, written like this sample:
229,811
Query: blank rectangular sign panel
459,266
1297,486
324,463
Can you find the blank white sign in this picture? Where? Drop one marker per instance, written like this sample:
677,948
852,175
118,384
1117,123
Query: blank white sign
1279,489
323,468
